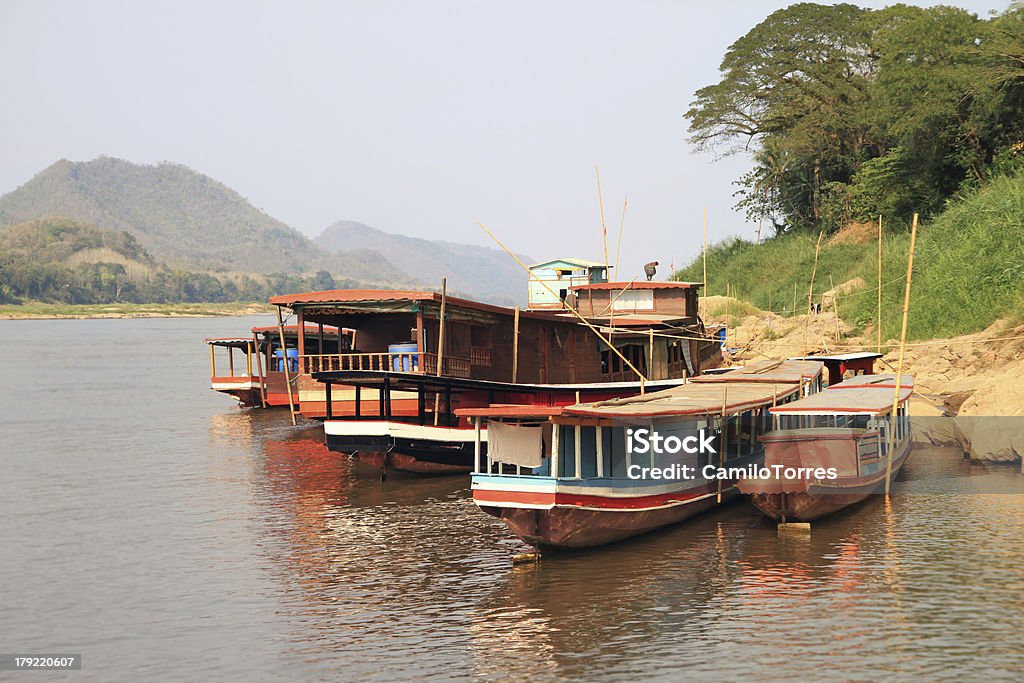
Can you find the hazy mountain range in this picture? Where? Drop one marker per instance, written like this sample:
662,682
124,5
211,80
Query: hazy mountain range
188,220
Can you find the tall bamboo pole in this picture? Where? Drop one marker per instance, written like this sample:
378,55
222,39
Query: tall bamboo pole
571,309
704,288
622,221
440,346
899,364
515,346
284,364
810,292
835,303
878,324
604,230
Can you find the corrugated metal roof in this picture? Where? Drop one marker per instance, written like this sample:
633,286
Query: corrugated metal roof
582,263
864,394
787,371
708,398
638,285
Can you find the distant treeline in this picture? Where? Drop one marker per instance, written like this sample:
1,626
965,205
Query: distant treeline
62,261
851,113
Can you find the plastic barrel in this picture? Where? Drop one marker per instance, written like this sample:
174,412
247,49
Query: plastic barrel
293,360
404,363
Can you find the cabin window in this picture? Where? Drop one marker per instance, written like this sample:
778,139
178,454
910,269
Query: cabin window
633,300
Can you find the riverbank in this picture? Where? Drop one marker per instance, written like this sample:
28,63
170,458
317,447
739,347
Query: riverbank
45,311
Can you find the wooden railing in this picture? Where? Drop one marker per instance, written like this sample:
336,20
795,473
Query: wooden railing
399,362
479,355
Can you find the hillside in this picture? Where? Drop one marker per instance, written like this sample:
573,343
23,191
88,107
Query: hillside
480,271
968,268
182,217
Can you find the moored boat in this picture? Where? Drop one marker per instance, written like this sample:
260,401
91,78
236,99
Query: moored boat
391,399
843,435
576,476
262,384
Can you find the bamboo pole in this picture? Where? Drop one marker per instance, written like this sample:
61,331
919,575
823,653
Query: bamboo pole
515,346
259,368
728,327
650,354
810,292
248,359
794,300
724,441
878,324
440,346
899,364
704,287
618,247
213,362
284,364
835,303
571,309
604,230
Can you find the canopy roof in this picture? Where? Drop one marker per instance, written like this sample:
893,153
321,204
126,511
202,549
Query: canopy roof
771,371
705,398
861,395
638,285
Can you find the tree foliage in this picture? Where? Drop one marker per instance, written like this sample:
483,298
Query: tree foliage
850,113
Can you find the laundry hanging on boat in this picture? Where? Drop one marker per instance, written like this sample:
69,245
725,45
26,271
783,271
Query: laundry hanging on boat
515,445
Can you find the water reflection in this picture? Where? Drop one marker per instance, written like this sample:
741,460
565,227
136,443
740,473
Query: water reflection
405,579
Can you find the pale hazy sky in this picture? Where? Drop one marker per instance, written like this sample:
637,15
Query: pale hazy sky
414,117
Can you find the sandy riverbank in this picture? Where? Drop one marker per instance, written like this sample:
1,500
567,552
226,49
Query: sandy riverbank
41,311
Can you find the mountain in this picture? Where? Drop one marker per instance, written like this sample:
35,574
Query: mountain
183,217
480,272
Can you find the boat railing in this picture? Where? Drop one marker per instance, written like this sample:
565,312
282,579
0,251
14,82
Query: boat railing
410,361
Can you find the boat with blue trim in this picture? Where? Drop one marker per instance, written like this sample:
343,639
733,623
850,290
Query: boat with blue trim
579,476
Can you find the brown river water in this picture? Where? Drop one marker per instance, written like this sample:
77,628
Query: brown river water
164,534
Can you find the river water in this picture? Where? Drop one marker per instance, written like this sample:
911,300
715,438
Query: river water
162,533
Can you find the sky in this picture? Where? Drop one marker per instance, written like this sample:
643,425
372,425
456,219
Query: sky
419,118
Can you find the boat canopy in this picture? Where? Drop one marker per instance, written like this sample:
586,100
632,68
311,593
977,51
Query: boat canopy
729,392
861,395
771,371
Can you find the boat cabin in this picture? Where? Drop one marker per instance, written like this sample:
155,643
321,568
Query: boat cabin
262,383
560,276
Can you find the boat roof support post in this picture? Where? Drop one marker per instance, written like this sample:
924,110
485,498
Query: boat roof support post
578,444
259,367
555,430
599,436
284,365
476,444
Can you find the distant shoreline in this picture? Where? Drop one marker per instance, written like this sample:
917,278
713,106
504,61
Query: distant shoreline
45,311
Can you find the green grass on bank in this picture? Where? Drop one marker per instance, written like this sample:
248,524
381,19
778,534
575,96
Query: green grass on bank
48,310
968,268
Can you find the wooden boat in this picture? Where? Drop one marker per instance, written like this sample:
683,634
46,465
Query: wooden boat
422,445
388,401
566,476
846,428
263,382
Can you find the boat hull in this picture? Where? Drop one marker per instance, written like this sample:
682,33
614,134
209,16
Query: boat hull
574,527
819,501
403,447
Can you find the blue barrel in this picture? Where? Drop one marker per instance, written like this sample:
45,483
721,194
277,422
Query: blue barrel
404,363
721,336
293,360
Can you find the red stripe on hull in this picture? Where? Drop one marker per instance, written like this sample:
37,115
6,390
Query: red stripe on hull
570,527
484,496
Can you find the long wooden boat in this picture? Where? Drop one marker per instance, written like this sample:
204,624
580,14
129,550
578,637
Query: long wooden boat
846,429
441,442
262,384
403,394
567,476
